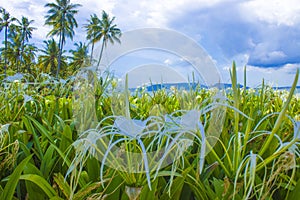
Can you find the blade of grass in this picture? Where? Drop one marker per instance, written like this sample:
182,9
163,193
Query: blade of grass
236,99
281,115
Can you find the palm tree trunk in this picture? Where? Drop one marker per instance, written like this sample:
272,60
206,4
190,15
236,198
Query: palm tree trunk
5,55
28,64
103,43
59,58
18,63
61,44
61,36
91,58
22,49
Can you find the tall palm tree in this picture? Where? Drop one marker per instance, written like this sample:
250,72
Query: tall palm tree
109,32
61,18
26,33
49,58
93,28
79,56
5,21
29,55
13,48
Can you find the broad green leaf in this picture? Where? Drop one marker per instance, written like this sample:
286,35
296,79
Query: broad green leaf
33,190
41,182
48,162
66,138
176,189
93,166
148,194
13,180
295,194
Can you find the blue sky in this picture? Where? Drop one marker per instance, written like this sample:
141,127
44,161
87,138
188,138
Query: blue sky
262,34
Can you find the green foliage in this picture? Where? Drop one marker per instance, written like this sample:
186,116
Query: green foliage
13,179
255,156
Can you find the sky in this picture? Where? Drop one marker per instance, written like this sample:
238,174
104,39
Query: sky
263,35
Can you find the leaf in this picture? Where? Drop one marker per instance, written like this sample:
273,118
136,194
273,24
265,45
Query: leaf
93,166
112,190
148,194
56,198
176,189
66,139
83,192
168,173
31,130
295,194
48,162
218,186
67,162
33,190
11,185
208,171
41,182
41,128
62,184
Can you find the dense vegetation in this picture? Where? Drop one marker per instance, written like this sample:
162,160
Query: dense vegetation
255,157
58,132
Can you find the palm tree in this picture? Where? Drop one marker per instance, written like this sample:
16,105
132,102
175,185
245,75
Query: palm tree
61,17
13,48
29,55
93,28
79,56
26,33
5,21
109,32
49,58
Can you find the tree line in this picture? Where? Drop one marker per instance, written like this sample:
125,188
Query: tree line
18,54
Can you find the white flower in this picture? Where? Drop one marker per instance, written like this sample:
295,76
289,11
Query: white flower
4,128
15,78
190,120
27,98
130,127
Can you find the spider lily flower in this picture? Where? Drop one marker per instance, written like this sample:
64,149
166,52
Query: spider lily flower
297,130
130,127
124,146
185,128
27,98
15,78
296,138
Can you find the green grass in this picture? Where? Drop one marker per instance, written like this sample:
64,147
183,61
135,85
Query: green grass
57,143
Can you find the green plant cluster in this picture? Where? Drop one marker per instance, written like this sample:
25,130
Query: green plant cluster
256,155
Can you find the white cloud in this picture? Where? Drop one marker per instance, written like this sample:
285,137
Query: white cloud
276,12
266,56
280,76
155,13
33,10
95,6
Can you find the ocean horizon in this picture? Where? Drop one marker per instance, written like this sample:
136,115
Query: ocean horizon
189,86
